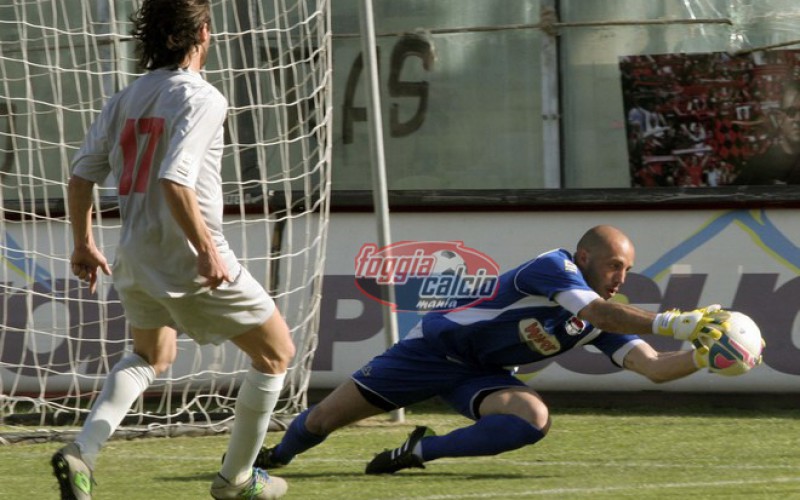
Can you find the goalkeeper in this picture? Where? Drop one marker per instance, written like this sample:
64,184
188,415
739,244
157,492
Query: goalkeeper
543,308
162,138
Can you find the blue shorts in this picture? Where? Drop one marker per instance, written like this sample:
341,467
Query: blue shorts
410,372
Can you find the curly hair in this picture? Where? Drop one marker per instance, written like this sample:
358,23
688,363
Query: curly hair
167,30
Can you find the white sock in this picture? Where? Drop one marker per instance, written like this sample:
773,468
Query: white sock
127,381
254,404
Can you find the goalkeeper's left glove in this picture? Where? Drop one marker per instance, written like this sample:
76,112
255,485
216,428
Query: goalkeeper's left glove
702,348
701,323
700,353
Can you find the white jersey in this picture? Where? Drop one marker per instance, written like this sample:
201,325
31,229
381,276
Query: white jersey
168,124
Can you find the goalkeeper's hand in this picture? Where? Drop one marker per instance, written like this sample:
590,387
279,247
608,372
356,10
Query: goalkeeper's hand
705,323
702,348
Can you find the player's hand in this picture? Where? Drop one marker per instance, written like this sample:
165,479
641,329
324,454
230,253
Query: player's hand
704,323
212,269
85,262
704,344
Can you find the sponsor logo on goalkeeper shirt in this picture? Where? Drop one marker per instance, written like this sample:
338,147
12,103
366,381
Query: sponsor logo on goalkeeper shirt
426,275
536,337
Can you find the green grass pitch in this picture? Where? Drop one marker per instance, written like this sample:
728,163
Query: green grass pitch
632,453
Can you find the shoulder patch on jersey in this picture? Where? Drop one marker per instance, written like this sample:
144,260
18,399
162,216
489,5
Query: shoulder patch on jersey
185,163
536,337
574,326
570,266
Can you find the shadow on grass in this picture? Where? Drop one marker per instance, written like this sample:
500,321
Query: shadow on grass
432,475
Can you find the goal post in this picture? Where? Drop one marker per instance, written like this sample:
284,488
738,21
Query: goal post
60,61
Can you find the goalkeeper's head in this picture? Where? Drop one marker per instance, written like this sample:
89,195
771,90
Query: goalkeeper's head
168,32
605,255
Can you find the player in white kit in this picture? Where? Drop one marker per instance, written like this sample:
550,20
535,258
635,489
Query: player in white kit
162,139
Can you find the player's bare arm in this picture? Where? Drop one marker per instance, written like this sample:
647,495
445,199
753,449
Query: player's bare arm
699,324
617,318
86,257
657,366
186,211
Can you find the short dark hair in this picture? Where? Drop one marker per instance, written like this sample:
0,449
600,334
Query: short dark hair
166,30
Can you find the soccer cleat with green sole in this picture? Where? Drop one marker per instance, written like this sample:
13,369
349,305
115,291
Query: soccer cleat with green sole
260,486
74,476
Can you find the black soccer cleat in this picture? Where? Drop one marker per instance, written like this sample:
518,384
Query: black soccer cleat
391,461
266,460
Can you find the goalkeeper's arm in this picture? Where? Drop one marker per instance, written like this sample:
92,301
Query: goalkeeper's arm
623,318
660,366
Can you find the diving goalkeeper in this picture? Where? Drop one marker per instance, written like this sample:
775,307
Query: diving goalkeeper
543,308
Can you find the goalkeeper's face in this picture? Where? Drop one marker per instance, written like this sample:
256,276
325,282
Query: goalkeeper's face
606,267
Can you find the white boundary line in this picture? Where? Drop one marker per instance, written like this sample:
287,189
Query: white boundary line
705,485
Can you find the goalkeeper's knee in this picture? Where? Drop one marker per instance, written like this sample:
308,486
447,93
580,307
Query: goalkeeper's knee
509,432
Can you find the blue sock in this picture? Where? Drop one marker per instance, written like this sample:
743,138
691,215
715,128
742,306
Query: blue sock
296,440
490,435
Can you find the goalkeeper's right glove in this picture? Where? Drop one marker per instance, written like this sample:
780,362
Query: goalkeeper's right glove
701,323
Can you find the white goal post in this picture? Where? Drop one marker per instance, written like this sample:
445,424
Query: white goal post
60,60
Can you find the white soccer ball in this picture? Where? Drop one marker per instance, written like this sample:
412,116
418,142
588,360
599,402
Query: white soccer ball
739,349
447,262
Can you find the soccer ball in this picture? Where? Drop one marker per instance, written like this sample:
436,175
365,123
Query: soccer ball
447,262
739,348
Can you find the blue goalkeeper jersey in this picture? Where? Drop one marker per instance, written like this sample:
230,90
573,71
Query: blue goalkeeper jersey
532,317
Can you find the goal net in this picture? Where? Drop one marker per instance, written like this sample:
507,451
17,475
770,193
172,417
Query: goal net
60,61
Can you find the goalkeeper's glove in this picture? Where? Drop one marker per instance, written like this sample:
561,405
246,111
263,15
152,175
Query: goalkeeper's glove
707,322
701,353
701,350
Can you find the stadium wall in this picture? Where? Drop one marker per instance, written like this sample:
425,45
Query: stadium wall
748,260
745,259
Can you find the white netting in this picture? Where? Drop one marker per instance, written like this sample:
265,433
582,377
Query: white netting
60,60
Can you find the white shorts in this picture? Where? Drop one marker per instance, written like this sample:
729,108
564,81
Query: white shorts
212,316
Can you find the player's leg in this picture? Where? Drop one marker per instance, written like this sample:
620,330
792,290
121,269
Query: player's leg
242,312
154,350
271,349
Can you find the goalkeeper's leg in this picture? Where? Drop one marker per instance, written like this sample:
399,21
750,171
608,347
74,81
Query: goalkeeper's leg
344,406
506,419
490,435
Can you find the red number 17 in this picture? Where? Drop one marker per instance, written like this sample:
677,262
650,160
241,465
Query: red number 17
128,140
